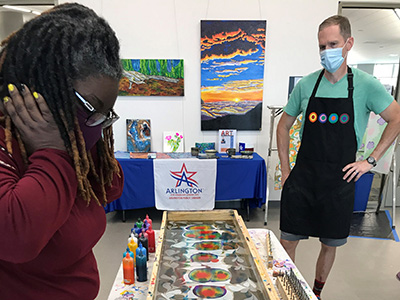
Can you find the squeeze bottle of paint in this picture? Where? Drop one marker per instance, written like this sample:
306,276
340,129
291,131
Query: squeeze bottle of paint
152,239
130,253
150,221
141,264
143,238
139,223
145,225
127,265
132,244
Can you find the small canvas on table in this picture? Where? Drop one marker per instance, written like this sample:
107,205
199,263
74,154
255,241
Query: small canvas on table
227,139
138,135
173,141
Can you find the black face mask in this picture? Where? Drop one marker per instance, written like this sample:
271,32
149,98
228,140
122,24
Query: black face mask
91,134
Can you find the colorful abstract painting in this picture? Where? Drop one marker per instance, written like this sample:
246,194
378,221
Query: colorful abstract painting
152,77
138,135
207,260
232,72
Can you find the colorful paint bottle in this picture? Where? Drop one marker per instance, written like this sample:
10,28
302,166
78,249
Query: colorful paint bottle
144,239
130,253
150,221
139,223
152,239
141,264
127,265
132,245
145,225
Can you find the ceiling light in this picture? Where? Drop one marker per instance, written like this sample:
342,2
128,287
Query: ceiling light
22,9
17,8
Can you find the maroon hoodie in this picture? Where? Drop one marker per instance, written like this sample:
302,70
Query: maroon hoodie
47,231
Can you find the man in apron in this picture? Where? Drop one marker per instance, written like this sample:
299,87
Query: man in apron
318,194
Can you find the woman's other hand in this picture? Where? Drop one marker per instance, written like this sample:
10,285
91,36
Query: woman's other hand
31,116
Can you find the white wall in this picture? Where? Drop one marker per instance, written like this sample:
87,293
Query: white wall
171,29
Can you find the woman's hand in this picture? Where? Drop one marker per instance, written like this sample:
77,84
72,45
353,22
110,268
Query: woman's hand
33,119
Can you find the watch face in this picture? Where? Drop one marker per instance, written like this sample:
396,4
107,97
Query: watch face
371,160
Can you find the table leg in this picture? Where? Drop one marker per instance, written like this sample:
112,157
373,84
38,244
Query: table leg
248,210
123,216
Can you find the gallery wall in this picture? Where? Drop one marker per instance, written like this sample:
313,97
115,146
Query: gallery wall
171,29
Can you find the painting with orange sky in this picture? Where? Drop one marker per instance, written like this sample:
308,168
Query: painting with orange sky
232,74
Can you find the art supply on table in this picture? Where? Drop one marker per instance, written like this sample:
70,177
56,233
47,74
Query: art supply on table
132,244
151,239
136,230
139,223
127,265
144,239
145,225
131,254
141,263
150,221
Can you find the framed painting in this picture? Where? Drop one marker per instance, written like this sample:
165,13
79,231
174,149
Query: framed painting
152,77
232,74
138,133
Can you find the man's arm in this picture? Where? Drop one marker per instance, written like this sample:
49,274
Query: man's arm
283,140
392,116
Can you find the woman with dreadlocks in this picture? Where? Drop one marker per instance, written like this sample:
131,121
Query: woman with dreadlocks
59,81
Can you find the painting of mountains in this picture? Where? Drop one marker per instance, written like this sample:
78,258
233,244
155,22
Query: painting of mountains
152,77
232,74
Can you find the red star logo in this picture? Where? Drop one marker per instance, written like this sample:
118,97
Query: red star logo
182,176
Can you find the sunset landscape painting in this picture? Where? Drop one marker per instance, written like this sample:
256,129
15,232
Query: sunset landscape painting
232,74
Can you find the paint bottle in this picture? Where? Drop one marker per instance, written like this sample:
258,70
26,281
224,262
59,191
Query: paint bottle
141,264
145,225
150,221
144,239
130,253
139,223
132,245
152,239
127,265
134,229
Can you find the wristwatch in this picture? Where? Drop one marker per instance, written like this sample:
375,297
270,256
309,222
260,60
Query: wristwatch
371,161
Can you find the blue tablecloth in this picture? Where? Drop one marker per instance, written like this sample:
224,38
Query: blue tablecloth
236,179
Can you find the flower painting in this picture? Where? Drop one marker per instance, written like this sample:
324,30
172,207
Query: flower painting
173,141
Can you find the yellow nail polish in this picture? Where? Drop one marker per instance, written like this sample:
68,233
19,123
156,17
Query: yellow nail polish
35,95
6,99
10,87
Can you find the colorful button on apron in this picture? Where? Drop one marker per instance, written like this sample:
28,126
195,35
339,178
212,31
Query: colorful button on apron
323,118
333,118
313,117
344,118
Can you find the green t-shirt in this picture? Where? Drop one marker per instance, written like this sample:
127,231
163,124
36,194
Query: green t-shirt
369,95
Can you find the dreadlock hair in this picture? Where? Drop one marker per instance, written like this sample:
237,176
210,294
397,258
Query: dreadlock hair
67,43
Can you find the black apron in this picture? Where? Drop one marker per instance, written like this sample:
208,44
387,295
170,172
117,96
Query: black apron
316,201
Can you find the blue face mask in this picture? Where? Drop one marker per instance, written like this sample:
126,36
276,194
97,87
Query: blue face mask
332,59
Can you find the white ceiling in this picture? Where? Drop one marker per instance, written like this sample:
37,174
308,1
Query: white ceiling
376,35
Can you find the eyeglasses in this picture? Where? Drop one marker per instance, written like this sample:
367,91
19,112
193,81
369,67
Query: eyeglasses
96,118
